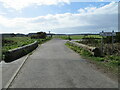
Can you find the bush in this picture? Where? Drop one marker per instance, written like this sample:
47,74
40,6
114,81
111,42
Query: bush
34,37
108,39
117,37
90,40
7,42
40,35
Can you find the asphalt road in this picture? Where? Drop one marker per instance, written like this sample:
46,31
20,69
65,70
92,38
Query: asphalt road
53,65
9,69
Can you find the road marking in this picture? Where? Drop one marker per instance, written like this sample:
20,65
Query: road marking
18,70
15,74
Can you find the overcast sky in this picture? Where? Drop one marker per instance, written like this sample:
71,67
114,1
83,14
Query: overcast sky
58,16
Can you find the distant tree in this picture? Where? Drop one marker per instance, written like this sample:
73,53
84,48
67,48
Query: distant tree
40,35
13,35
34,37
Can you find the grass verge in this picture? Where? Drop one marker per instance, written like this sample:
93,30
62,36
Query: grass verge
108,63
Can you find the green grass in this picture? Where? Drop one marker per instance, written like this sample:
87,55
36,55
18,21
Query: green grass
73,37
110,62
77,37
94,36
15,42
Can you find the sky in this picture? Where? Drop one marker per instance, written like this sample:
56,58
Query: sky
58,16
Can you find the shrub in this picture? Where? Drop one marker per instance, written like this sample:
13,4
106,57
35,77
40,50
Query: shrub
117,37
90,40
40,35
8,42
108,39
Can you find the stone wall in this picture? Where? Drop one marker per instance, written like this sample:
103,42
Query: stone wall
14,54
93,50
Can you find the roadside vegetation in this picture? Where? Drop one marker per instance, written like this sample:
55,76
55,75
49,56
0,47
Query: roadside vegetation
109,63
9,43
111,57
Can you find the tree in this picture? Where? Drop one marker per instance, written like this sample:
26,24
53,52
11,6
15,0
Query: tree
40,35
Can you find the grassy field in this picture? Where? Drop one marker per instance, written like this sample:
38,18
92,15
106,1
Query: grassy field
14,42
9,43
76,37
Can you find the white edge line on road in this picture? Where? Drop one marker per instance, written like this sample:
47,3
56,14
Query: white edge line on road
15,74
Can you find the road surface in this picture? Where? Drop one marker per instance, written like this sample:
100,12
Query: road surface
53,65
9,69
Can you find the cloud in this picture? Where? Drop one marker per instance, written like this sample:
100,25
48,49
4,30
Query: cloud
2,13
89,19
107,9
20,4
